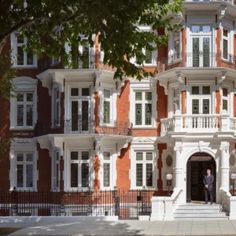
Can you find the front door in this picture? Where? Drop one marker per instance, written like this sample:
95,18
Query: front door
196,169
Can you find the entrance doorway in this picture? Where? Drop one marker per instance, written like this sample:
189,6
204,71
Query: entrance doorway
196,169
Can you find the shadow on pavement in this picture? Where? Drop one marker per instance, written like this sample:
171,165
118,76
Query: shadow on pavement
75,226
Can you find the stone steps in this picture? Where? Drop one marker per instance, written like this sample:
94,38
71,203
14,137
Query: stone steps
191,211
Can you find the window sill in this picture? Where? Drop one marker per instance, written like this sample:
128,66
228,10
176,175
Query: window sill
24,66
144,127
25,128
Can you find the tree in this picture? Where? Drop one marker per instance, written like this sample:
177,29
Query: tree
49,24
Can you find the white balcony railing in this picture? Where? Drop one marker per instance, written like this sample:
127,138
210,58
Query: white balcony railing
198,123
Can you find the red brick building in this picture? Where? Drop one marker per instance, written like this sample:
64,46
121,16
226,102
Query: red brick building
79,130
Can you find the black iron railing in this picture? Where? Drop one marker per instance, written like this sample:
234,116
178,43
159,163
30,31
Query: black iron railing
126,204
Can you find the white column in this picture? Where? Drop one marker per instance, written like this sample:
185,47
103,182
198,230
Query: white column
224,167
178,169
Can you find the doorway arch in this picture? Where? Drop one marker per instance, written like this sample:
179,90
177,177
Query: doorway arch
197,165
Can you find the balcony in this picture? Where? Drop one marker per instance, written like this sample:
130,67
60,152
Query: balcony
206,123
85,127
201,60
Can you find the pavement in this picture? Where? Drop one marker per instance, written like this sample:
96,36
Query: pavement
83,226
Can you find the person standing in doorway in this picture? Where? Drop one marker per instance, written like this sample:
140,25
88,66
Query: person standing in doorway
208,186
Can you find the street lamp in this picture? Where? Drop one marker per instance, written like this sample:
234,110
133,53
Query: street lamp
169,178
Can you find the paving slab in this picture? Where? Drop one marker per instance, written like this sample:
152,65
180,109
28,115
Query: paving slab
97,226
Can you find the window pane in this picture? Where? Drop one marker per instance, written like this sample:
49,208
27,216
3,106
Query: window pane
149,156
225,92
225,105
206,89
74,175
206,52
85,92
85,155
106,175
138,114
30,58
148,57
106,156
29,97
29,115
139,156
206,106
149,175
74,116
206,28
195,106
74,156
20,97
106,115
29,157
85,115
139,175
195,90
148,96
195,28
148,114
29,175
19,174
176,45
20,56
196,53
138,96
107,93
74,92
20,38
225,49
20,115
85,174
225,32
20,157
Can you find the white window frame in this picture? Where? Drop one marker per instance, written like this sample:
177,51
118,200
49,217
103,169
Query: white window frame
143,147
14,46
112,99
172,58
225,98
23,85
143,86
227,38
79,99
55,101
112,163
23,146
79,163
56,164
200,35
